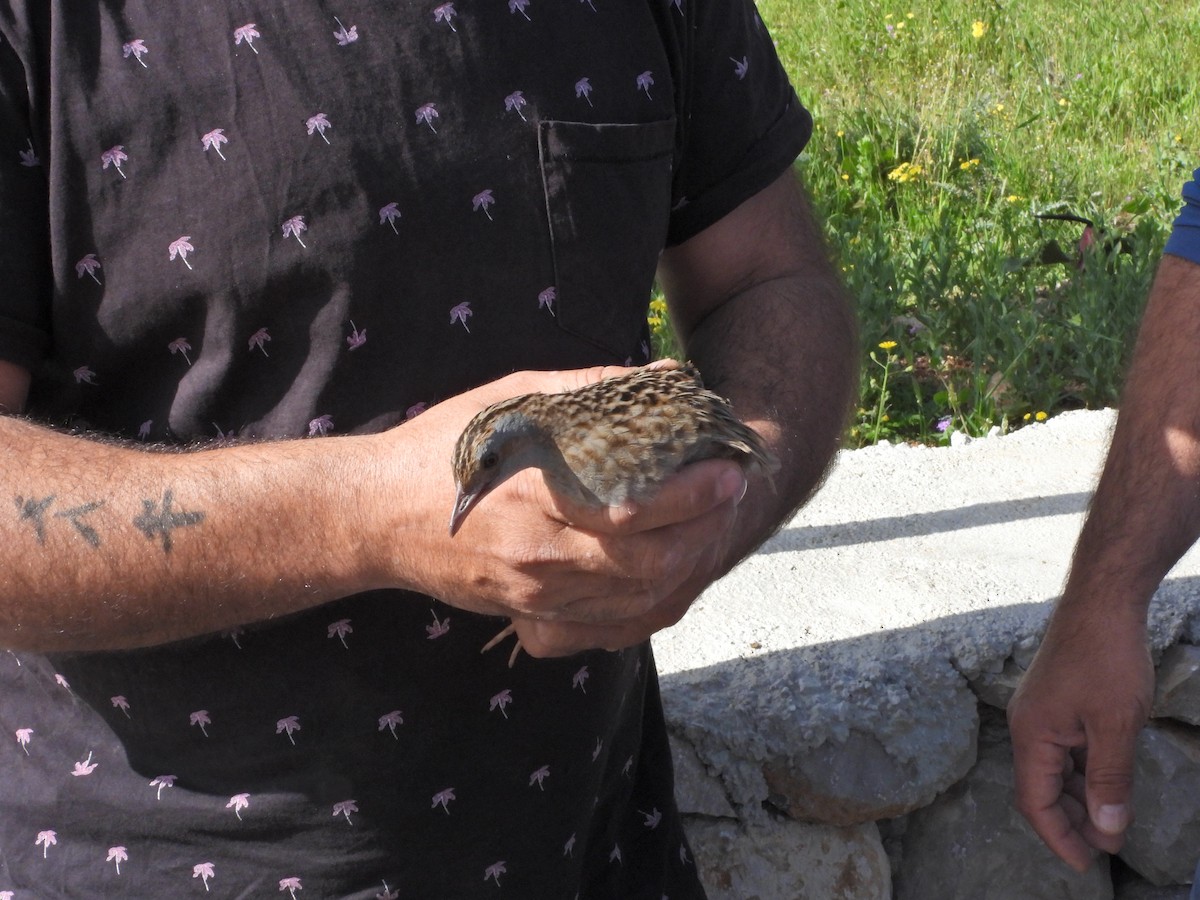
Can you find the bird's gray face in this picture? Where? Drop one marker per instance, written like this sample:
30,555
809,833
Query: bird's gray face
476,473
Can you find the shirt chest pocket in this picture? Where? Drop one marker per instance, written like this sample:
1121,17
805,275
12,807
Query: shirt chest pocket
608,200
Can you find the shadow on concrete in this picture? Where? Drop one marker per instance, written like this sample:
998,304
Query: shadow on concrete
898,527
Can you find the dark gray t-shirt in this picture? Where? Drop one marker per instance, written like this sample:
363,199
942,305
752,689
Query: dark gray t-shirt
289,220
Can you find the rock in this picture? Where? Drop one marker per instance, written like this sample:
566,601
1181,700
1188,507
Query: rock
1177,694
1163,843
855,780
1128,885
831,740
996,689
972,844
696,791
789,859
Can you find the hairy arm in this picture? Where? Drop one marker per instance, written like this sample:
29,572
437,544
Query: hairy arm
1090,686
106,546
762,313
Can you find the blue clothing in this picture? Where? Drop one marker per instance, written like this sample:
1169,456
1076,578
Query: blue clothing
1185,236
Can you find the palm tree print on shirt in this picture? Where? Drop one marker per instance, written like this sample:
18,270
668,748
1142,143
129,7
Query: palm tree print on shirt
339,630
389,213
500,701
45,840
119,702
589,3
84,767
318,123
546,299
319,427
538,776
247,33
439,626
442,799
519,6
213,140
181,247
583,88
460,313
84,375
259,339
114,156
345,37
237,803
290,724
200,717
180,346
446,13
117,855
740,67
204,871
426,113
163,781
88,266
291,885
483,200
513,103
645,81
494,871
356,338
391,721
295,227
29,158
135,48
24,736
344,809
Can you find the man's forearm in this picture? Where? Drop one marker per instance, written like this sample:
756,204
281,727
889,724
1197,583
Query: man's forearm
105,546
1146,511
791,380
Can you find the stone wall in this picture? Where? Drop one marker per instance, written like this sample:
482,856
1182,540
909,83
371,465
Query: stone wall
923,809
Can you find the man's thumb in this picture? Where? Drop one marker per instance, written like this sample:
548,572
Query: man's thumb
1109,784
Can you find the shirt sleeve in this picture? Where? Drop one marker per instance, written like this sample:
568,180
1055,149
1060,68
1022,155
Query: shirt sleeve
743,124
25,272
1185,236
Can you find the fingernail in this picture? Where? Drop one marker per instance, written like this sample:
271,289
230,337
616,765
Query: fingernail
733,485
1111,818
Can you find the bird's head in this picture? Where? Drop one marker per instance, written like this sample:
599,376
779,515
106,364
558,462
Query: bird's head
496,444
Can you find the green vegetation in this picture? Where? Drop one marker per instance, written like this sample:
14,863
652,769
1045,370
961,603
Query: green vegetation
943,131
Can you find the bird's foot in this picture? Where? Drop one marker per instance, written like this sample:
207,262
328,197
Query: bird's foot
510,629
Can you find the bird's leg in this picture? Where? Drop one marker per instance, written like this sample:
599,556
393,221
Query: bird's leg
511,628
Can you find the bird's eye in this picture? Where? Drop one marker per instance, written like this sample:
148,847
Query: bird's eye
489,461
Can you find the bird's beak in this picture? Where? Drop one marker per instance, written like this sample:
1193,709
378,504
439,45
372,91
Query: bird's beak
463,504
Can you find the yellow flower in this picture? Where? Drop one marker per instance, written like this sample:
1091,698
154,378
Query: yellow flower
998,108
978,29
1026,417
899,25
886,345
845,177
1014,198
968,164
1041,416
841,133
906,171
1063,101
911,15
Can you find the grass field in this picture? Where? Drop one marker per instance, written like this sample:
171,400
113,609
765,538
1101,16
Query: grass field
943,131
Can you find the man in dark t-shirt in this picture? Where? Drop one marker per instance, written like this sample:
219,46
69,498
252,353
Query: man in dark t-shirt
308,244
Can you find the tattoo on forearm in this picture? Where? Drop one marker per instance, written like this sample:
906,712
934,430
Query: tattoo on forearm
34,512
159,519
76,513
